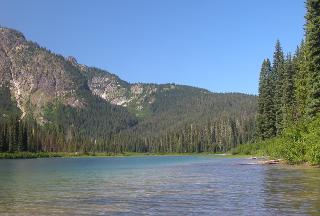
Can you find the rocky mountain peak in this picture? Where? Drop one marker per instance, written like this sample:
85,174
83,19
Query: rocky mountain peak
36,76
10,39
72,60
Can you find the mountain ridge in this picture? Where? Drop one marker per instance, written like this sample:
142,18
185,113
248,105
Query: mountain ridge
94,103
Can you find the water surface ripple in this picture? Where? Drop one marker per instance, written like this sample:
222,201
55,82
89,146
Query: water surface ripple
164,185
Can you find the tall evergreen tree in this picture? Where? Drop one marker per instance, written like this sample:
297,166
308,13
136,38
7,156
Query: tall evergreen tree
300,80
261,118
266,117
288,97
278,79
312,28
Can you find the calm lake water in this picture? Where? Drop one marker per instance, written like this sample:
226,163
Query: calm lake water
164,185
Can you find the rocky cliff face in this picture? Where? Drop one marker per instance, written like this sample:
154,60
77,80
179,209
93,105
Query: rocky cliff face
112,89
134,95
137,97
35,75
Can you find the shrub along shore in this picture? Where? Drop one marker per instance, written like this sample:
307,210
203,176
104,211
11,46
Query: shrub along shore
288,117
297,145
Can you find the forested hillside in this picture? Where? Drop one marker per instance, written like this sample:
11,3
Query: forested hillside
52,103
185,120
289,98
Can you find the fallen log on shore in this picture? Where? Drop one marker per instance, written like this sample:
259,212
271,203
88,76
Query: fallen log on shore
269,162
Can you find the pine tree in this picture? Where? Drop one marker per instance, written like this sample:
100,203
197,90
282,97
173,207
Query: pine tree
5,144
261,118
266,117
288,97
300,80
278,79
312,28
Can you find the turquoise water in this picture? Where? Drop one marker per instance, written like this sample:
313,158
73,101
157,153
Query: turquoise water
164,185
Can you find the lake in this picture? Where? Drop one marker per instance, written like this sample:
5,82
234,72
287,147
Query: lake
156,185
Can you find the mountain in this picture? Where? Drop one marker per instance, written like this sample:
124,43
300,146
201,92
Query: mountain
93,109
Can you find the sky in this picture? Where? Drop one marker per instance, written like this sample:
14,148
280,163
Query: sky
218,45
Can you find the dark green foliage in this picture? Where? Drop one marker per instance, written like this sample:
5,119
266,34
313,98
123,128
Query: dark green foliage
15,134
296,99
266,119
7,105
300,80
288,98
99,119
273,85
299,143
24,155
186,119
312,28
282,93
278,80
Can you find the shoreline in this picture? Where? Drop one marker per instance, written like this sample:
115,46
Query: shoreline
267,161
263,161
32,155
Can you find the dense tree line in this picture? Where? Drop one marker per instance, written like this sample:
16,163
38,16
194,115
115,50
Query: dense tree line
27,135
289,87
182,120
212,136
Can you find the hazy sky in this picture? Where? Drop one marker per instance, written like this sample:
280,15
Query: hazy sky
214,44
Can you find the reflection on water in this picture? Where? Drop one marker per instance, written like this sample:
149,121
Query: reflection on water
155,186
292,190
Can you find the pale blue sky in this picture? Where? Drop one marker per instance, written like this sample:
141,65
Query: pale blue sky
214,44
